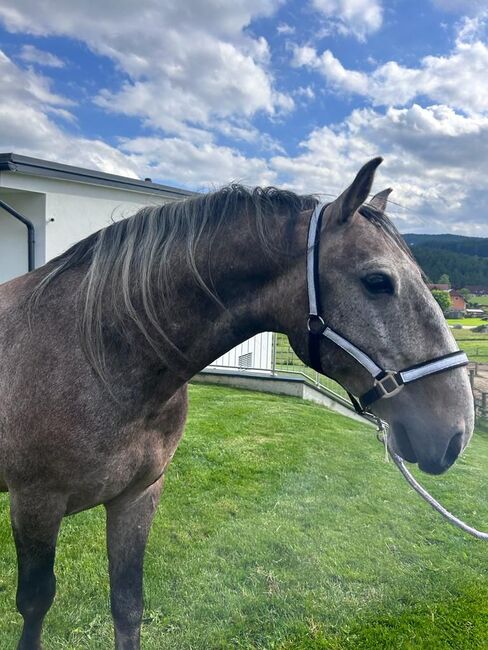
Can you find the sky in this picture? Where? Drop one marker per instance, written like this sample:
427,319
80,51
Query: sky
292,93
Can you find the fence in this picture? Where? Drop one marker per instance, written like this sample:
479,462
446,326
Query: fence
481,407
271,353
478,377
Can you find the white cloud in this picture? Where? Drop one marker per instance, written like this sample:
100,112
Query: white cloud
357,17
188,66
201,166
32,54
284,28
192,70
434,160
28,104
458,79
26,126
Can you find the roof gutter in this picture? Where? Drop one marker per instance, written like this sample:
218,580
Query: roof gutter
31,233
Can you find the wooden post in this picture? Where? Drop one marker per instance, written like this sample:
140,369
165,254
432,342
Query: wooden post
471,377
484,405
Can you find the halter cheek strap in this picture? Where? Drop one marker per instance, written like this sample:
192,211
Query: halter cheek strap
387,383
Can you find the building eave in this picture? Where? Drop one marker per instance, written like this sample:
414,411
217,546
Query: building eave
16,163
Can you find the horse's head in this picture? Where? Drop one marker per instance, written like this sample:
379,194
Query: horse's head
372,292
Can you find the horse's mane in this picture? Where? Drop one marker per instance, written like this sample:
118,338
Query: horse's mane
128,265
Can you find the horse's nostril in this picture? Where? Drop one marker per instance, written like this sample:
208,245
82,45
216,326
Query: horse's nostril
454,448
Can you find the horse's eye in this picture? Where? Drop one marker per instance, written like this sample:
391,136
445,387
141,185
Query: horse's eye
378,283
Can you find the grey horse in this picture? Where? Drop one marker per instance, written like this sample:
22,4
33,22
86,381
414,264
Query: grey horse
98,345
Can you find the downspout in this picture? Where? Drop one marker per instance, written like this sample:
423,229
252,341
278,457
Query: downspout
31,240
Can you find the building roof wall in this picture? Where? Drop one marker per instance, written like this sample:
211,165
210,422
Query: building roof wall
12,162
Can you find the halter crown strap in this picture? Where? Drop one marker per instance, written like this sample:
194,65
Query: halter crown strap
312,259
315,323
386,383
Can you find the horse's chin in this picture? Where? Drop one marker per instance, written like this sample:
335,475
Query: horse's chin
433,468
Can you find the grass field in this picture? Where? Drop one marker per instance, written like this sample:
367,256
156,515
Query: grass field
474,344
480,300
281,528
467,322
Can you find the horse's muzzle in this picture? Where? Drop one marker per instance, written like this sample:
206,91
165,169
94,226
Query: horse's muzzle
453,450
404,448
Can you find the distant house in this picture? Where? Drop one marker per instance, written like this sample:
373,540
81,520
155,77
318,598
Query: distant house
440,287
475,313
458,303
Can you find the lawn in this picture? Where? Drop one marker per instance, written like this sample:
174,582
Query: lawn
467,322
281,528
474,344
480,300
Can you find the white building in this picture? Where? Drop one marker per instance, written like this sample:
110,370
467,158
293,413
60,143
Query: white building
63,204
45,207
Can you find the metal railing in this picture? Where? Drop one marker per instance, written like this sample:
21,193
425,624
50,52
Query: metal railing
271,353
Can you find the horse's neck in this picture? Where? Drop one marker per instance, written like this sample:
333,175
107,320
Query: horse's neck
258,290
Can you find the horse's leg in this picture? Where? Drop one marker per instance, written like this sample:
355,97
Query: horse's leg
128,524
36,517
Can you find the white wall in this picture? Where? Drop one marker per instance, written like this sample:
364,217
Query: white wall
75,210
13,233
255,353
64,212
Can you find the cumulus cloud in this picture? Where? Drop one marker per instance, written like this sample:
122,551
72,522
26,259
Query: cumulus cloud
356,17
433,159
187,65
26,125
458,79
199,166
196,75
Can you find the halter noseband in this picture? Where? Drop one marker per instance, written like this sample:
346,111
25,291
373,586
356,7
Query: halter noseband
387,383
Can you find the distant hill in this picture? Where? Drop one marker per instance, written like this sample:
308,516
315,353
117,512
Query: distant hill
455,243
464,259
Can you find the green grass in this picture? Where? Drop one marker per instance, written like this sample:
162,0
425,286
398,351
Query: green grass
475,344
467,322
281,528
480,300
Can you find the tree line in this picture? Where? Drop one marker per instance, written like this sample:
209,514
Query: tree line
455,243
462,269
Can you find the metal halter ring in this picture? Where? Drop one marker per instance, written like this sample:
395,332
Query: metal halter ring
388,384
316,324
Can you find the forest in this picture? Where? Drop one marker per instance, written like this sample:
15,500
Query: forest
463,259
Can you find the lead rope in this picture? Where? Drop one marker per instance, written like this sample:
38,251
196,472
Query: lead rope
382,435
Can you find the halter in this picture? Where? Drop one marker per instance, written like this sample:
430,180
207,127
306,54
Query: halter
386,383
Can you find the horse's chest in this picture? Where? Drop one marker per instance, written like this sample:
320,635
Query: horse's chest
128,469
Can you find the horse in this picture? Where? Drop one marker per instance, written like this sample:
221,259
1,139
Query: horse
98,345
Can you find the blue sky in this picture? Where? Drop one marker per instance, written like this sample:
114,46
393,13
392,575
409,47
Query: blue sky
293,93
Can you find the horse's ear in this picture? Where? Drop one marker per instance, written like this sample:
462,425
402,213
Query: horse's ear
380,200
356,194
